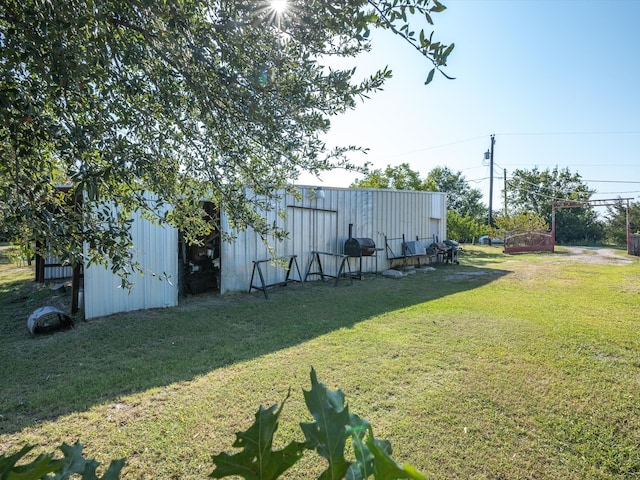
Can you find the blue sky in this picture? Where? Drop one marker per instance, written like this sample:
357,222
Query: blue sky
556,81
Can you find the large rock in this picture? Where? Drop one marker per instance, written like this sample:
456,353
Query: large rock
393,274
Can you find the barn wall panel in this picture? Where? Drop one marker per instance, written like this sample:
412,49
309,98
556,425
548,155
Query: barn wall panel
156,250
57,272
320,222
407,213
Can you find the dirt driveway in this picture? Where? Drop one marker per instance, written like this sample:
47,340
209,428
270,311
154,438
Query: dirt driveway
600,255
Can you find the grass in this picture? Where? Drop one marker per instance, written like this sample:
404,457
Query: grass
509,367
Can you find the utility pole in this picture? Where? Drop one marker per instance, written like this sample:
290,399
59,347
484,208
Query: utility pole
506,213
493,141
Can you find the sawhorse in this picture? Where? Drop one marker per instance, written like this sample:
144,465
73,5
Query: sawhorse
315,258
263,287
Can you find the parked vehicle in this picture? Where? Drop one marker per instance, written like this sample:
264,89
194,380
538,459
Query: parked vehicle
484,240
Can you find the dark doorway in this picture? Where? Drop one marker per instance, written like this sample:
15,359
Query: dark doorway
199,263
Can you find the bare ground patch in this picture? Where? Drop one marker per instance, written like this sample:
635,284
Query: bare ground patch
597,255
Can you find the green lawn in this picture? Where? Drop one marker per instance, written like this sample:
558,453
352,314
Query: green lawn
504,367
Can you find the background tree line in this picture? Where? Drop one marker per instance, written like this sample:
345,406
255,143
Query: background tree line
530,196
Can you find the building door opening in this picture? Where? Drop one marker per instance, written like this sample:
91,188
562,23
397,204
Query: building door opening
199,263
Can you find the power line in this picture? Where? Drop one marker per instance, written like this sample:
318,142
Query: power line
574,165
434,147
532,134
609,181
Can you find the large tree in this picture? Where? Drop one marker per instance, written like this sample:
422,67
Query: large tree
464,204
535,191
400,177
461,197
616,221
188,99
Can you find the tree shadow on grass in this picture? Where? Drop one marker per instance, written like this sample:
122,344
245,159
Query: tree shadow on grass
103,359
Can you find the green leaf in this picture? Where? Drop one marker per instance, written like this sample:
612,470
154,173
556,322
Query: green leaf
113,472
438,7
448,50
75,463
328,434
37,469
257,461
363,467
430,76
386,468
448,77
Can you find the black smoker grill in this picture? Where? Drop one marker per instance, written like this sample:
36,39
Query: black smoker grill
359,247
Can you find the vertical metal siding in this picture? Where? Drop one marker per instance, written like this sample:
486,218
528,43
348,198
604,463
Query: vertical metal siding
438,216
53,273
156,250
320,224
408,213
313,223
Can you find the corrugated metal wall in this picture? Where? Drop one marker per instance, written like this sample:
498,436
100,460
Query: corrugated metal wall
156,249
55,272
414,215
319,221
316,221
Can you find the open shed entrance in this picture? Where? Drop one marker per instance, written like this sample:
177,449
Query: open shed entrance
199,264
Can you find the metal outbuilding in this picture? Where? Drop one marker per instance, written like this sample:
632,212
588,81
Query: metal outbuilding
318,219
155,249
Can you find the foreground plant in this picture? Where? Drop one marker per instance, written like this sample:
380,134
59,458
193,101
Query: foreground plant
328,435
47,467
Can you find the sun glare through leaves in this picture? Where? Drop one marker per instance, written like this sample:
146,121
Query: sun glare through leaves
279,6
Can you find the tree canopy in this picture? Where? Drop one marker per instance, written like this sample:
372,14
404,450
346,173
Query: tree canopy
616,221
188,99
520,223
400,177
461,197
464,204
534,191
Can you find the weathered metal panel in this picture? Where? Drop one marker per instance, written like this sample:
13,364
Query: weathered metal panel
156,250
438,216
317,220
55,272
237,256
409,214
